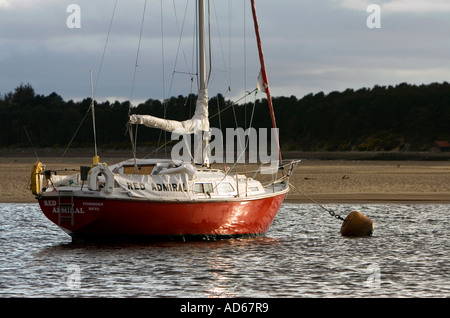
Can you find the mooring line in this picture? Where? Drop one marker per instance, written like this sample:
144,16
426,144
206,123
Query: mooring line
331,212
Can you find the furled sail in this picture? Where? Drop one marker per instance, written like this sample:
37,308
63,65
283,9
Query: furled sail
198,123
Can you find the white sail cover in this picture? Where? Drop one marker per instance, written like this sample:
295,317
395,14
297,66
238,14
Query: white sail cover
199,122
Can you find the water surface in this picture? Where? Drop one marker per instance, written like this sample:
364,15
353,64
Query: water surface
303,255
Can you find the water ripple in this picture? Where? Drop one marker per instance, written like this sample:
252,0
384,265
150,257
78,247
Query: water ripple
303,255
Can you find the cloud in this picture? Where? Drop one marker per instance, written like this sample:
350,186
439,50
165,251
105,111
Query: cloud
400,6
360,5
315,46
20,4
421,6
4,4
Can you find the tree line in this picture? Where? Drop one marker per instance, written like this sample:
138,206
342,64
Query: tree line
404,117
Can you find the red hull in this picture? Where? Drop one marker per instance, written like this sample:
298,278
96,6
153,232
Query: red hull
144,218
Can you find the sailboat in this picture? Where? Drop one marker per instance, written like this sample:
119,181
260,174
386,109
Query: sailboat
164,198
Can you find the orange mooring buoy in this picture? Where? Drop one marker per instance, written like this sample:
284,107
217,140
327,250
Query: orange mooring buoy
357,224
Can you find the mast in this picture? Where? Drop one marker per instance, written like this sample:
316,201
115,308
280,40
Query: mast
203,85
199,123
202,44
264,76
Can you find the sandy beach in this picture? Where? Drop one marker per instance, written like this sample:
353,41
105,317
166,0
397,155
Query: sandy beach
325,181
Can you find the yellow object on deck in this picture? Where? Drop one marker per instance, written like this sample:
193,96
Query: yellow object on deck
96,160
35,178
357,224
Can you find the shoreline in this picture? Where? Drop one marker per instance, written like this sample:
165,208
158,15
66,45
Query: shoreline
323,181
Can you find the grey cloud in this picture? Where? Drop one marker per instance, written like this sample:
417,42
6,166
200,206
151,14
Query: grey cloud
310,46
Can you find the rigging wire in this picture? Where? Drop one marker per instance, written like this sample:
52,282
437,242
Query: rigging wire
180,28
162,51
76,132
209,39
220,120
106,45
93,115
245,64
35,153
245,84
164,99
230,20
228,171
180,46
97,80
233,103
180,32
250,124
137,57
134,140
222,49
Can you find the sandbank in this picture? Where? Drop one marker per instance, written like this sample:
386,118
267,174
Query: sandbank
323,181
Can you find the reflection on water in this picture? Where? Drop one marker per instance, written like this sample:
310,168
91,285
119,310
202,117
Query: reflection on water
303,255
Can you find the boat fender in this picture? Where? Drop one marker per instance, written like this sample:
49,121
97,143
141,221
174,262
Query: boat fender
35,185
93,178
357,224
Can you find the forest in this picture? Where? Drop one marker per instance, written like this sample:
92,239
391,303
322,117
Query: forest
399,118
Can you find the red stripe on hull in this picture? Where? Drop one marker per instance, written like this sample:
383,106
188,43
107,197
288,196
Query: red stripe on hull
144,218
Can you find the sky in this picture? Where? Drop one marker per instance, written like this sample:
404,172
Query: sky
310,46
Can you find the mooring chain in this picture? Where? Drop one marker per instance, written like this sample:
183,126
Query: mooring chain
331,212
